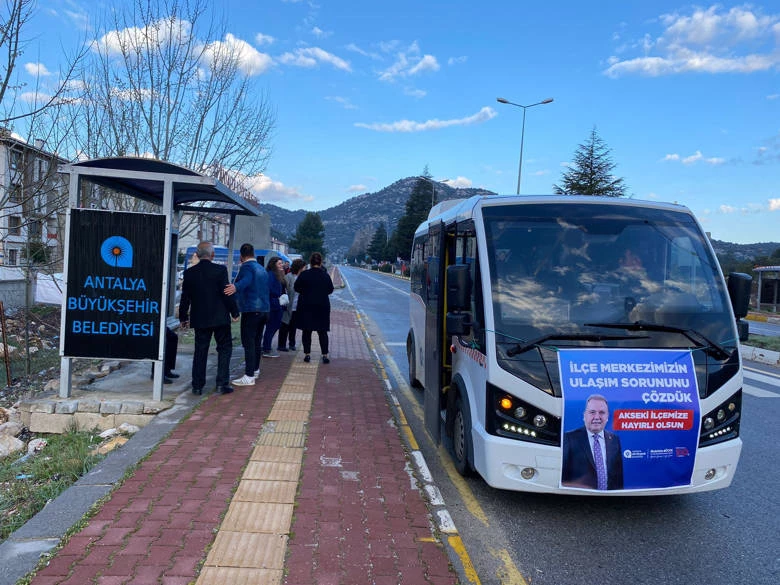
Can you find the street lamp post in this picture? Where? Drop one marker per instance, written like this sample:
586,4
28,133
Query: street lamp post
433,187
522,132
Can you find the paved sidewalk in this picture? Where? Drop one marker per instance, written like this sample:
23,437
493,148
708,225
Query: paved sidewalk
300,479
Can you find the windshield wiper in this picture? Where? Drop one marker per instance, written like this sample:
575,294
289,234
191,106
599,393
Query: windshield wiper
712,348
523,347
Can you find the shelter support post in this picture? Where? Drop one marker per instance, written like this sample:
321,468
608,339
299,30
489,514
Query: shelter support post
66,364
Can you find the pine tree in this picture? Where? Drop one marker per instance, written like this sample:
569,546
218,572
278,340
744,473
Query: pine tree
309,236
591,172
377,249
417,208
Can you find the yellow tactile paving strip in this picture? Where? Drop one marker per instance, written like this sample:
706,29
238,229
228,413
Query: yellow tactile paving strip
252,540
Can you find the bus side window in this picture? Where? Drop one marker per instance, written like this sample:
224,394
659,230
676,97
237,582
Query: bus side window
477,336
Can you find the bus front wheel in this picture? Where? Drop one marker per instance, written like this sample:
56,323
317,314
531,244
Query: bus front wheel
460,445
411,358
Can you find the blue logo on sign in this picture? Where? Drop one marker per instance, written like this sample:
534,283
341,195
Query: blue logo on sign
117,252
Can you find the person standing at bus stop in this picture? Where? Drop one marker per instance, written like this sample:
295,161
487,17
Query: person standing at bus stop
276,288
205,306
251,286
313,313
287,329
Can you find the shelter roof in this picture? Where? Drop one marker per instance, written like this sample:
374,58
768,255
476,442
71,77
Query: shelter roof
145,178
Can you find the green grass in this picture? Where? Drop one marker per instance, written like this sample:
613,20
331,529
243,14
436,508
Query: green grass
764,342
26,485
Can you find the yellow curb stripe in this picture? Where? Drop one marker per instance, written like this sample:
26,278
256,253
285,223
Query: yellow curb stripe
508,574
468,568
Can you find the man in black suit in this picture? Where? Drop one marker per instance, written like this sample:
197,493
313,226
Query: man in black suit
205,306
592,456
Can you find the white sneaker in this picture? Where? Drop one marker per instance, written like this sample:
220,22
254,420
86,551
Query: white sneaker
257,372
270,354
244,381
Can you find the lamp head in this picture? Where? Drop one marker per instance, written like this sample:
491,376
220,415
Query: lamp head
502,100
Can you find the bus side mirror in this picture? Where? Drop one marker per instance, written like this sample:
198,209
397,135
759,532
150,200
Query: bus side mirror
458,324
458,288
739,285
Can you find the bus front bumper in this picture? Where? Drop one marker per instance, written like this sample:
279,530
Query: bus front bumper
505,464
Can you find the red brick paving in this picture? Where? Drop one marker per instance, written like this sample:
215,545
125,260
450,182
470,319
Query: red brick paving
357,517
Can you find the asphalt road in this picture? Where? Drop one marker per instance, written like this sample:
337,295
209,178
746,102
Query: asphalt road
759,328
725,537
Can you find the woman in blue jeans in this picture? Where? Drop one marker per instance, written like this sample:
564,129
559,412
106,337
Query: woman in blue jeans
276,288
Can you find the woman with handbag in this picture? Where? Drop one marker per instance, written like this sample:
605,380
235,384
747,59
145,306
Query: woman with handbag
287,329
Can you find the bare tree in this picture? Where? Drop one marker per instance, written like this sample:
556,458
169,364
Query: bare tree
32,130
165,80
16,16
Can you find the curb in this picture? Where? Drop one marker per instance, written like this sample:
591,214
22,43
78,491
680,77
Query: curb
758,354
761,318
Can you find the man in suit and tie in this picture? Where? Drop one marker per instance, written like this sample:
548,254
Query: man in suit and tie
592,456
206,307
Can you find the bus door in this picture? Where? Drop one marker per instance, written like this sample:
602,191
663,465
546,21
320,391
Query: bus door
434,317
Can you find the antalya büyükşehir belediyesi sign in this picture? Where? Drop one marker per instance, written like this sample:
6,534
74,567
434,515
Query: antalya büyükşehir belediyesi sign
114,285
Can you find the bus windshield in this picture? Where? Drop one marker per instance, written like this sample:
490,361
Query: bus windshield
570,272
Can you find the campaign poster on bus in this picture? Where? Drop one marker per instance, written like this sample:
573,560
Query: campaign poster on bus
630,419
114,285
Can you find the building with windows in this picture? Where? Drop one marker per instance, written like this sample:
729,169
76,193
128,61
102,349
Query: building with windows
33,197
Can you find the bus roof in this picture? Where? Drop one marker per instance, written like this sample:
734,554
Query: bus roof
461,210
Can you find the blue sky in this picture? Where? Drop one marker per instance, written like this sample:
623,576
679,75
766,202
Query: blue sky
686,96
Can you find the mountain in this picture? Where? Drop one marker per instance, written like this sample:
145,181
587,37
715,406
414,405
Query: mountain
744,252
361,214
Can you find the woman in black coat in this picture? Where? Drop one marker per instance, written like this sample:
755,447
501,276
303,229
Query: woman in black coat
313,313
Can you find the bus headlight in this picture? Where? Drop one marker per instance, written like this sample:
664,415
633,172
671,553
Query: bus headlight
513,418
721,423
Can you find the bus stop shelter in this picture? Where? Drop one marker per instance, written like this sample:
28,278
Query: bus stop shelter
175,190
768,292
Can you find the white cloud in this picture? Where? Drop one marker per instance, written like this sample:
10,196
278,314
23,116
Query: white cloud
773,96
458,183
483,115
357,189
415,93
427,63
710,40
408,62
79,19
355,49
158,34
345,103
727,209
250,60
694,158
313,56
319,33
34,97
774,204
262,39
267,190
36,69
457,60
